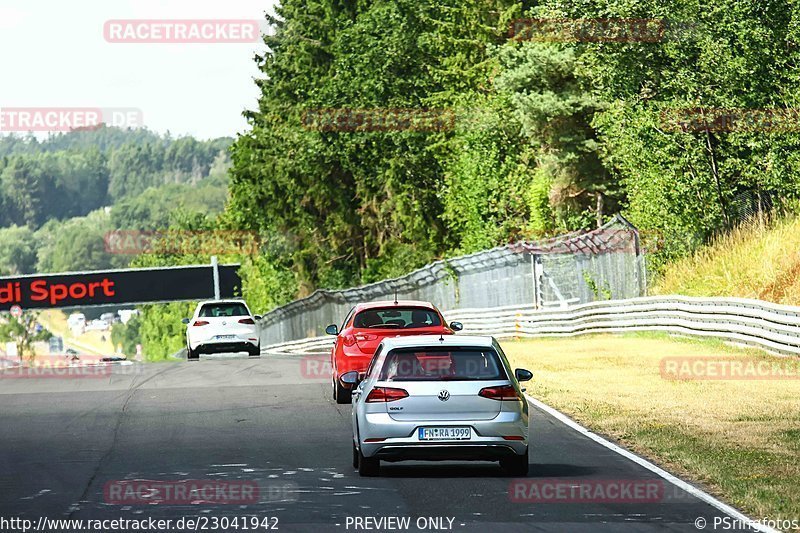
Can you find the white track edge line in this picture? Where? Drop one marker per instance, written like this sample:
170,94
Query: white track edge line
681,484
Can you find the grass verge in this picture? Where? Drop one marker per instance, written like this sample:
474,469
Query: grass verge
740,439
93,342
756,260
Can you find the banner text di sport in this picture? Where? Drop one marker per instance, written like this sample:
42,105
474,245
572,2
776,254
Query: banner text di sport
40,291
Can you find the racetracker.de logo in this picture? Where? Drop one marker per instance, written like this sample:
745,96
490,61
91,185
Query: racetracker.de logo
555,490
182,31
316,367
60,367
214,242
369,120
188,491
599,30
65,119
722,120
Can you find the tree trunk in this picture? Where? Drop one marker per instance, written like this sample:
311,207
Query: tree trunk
599,208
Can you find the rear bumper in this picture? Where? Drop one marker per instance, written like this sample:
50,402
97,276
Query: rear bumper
226,346
401,441
449,452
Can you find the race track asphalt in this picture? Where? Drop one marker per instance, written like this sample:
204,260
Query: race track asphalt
269,422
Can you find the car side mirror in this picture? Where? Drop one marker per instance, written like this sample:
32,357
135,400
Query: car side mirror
523,375
349,380
456,326
185,320
333,329
258,317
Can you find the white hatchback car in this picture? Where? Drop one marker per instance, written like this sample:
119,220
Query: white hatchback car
431,397
222,326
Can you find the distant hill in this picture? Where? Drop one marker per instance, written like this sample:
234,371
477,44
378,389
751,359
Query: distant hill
61,196
72,174
103,138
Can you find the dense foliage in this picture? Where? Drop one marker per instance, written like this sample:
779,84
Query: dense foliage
550,133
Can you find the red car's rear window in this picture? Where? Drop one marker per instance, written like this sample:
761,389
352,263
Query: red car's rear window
397,318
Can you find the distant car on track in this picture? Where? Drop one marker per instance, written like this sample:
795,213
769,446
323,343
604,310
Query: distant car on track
367,324
222,326
97,325
439,398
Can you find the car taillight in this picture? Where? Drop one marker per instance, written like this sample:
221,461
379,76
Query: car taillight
247,321
200,323
386,394
506,393
349,340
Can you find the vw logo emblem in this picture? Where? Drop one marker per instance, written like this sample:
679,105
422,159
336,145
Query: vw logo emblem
224,322
444,395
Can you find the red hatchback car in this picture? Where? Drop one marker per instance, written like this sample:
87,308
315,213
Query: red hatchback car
365,327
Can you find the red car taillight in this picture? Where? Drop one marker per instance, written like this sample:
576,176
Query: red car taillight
506,393
386,394
200,323
247,321
351,339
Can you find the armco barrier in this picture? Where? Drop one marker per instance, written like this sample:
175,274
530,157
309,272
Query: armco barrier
579,267
771,327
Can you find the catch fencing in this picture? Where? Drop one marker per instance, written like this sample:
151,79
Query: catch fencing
771,327
575,268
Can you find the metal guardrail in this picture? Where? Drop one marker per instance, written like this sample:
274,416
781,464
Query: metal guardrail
607,262
771,327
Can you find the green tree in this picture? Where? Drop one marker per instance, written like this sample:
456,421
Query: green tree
23,188
360,205
23,332
127,336
77,244
19,251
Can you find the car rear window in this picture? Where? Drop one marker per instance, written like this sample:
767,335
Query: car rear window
397,318
454,364
224,309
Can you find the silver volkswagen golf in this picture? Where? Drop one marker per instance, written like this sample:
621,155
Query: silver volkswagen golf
432,397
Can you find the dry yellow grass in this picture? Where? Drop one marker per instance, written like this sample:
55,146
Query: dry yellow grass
757,260
95,342
741,439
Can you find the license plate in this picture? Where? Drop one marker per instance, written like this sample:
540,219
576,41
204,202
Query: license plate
445,433
225,337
